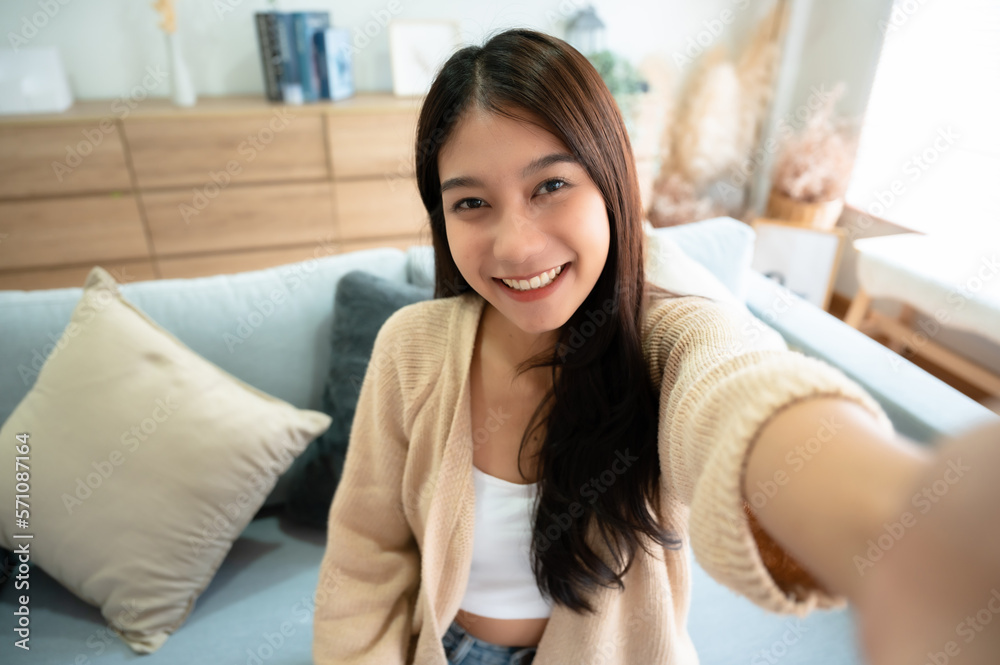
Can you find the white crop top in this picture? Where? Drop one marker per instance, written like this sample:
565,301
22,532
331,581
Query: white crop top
501,584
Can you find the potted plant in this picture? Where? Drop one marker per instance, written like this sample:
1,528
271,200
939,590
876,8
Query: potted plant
623,80
813,169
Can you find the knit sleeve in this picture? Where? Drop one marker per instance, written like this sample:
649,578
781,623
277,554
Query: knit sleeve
370,571
722,375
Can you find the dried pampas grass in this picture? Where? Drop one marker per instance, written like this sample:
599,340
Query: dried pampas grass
815,164
716,128
707,134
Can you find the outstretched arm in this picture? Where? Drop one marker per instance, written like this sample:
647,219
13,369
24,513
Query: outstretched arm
909,535
822,480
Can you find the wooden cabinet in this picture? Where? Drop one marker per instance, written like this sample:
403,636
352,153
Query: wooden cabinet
200,152
379,208
372,145
232,184
264,215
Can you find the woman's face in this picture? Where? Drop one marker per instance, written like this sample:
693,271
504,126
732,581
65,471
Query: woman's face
527,227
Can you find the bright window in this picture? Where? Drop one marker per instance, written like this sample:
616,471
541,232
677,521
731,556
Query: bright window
929,157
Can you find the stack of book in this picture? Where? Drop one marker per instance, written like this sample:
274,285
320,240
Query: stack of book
304,59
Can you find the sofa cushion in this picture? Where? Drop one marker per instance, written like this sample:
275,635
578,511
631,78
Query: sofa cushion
723,245
145,463
257,610
363,303
669,266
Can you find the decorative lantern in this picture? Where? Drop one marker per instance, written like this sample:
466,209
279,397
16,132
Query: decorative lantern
585,31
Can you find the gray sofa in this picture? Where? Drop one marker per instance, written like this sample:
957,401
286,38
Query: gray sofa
258,607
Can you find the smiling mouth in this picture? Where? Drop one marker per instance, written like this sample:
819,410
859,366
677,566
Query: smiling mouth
537,282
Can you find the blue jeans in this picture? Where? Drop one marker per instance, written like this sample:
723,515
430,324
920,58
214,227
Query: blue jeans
464,649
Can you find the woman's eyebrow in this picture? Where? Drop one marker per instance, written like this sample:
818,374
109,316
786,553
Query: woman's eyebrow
461,181
547,160
535,166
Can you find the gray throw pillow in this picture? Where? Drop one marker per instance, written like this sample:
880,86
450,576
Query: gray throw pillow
362,303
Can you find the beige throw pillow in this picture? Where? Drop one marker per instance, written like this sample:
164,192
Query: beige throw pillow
144,463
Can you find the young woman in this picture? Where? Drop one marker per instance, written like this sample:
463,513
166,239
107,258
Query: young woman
537,450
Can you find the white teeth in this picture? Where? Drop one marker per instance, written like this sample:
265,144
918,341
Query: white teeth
536,282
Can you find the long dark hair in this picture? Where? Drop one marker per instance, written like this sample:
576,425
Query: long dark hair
600,418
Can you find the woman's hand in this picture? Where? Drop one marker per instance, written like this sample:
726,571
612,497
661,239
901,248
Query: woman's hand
931,576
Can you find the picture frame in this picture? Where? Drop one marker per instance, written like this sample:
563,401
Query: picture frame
802,259
418,49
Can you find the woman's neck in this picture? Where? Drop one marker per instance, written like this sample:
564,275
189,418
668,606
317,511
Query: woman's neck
509,345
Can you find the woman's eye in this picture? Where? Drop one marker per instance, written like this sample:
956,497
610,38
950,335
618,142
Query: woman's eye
468,204
550,186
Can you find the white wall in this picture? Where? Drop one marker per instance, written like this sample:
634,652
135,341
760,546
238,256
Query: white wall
106,45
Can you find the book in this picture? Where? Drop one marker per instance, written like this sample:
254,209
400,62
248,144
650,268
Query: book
290,78
270,53
306,25
333,47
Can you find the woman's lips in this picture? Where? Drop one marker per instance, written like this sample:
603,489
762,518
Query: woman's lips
536,293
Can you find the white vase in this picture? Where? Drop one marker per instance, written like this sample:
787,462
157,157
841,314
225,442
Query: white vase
180,80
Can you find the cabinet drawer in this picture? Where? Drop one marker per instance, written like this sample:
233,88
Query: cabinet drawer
77,229
208,151
374,144
239,218
378,208
124,272
62,159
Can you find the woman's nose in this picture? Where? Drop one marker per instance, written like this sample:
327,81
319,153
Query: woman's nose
518,238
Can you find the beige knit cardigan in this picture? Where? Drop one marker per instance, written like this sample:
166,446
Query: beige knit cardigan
399,545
